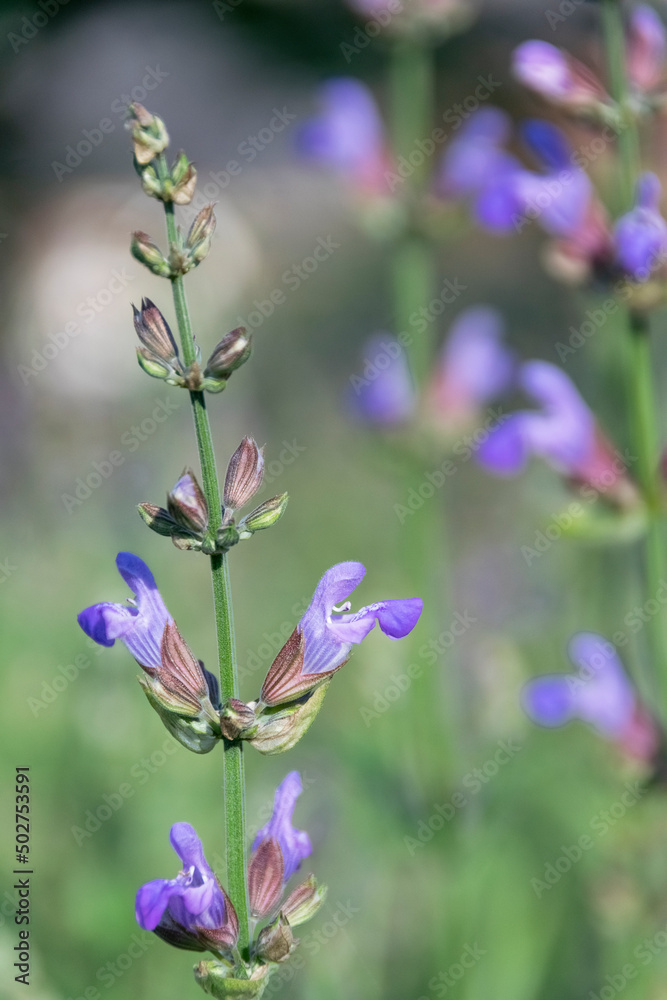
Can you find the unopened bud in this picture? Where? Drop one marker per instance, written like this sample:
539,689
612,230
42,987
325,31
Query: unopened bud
153,331
183,181
276,942
150,181
304,902
233,350
200,235
245,473
148,132
265,878
264,516
187,504
237,720
152,365
148,253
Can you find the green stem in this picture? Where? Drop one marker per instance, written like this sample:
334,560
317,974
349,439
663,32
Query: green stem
233,765
628,138
642,393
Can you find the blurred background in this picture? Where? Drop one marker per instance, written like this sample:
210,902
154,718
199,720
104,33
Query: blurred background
432,865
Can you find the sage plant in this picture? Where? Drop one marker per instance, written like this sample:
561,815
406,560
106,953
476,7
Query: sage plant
245,919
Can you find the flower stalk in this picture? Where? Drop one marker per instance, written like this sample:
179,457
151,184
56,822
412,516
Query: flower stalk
641,394
233,764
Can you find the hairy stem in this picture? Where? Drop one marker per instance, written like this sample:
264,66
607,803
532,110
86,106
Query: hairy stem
233,765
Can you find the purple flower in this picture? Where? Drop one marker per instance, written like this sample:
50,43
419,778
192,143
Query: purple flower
329,634
645,48
600,694
348,135
556,75
563,432
474,365
140,623
294,844
476,156
641,234
191,910
558,198
385,394
323,639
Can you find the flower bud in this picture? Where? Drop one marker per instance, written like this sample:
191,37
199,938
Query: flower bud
264,516
232,351
304,902
187,504
147,252
281,728
183,181
153,331
245,473
148,133
200,235
152,365
275,942
237,720
215,980
265,878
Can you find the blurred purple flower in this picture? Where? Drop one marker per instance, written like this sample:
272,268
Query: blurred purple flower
558,198
329,635
191,910
348,135
562,432
645,48
294,844
600,695
556,75
474,365
140,623
476,155
641,234
385,393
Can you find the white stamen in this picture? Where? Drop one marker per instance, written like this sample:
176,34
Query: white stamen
343,607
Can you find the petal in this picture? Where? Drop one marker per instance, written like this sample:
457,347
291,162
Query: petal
548,144
641,234
151,902
645,47
603,696
348,134
499,206
543,68
107,622
505,451
474,365
294,844
385,394
183,838
396,619
473,158
564,433
548,700
198,906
